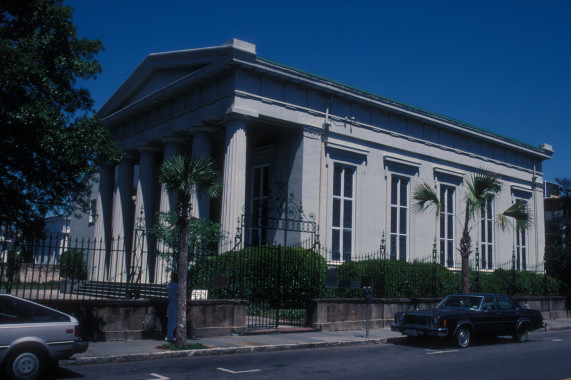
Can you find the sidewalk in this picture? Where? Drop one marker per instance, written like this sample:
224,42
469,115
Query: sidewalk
286,339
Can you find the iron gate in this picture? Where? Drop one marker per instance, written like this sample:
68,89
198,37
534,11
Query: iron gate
278,226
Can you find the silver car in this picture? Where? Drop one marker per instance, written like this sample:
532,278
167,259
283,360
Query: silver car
33,336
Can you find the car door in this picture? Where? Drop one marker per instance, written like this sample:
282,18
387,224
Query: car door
510,314
489,320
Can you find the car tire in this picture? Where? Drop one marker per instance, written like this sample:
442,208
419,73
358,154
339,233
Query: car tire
521,333
25,364
463,337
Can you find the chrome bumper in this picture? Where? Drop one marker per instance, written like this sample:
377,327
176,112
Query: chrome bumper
415,330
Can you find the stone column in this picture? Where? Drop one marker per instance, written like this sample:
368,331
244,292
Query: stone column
172,148
201,148
234,176
123,218
99,261
146,201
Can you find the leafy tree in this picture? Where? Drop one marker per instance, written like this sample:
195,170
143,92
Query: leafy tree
203,235
481,187
49,142
185,176
558,227
73,264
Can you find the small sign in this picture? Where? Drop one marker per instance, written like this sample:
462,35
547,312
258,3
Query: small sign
219,281
199,294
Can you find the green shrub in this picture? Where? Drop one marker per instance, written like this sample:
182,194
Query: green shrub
73,264
391,278
286,279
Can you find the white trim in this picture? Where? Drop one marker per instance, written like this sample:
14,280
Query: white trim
346,146
390,159
524,189
450,172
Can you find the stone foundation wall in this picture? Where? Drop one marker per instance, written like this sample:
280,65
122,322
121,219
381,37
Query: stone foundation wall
350,313
139,319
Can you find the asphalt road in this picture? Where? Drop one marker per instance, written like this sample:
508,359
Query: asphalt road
547,355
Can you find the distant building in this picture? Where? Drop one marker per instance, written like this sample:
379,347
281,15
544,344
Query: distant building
557,216
343,158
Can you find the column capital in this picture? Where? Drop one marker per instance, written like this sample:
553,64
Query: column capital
202,129
312,132
148,148
173,140
241,113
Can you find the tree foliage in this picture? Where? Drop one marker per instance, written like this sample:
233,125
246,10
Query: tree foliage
49,142
203,237
558,227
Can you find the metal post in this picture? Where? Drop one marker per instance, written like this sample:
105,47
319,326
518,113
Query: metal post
477,268
433,290
513,272
367,321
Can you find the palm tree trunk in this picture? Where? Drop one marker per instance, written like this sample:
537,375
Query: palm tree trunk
184,217
465,251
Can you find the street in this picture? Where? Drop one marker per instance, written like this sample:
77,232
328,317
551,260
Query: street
545,356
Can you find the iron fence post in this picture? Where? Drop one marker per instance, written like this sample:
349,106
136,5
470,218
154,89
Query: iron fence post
477,268
279,285
382,261
512,291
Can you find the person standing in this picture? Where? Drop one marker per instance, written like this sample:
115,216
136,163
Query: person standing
172,291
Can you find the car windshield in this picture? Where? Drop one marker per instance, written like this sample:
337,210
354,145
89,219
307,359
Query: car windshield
460,302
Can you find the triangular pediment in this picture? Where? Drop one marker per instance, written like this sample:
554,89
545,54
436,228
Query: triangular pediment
157,80
162,70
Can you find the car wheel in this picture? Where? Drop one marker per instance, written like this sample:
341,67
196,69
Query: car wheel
26,364
463,337
521,333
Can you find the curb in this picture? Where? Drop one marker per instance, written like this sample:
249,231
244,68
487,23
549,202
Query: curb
235,350
215,351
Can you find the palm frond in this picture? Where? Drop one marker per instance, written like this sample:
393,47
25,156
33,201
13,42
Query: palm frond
183,174
519,212
481,186
424,197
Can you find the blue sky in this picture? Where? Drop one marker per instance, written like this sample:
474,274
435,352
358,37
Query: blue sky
502,65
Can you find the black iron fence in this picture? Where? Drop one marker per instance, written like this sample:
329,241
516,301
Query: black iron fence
282,278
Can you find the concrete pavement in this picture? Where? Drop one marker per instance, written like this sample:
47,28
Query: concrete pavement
283,339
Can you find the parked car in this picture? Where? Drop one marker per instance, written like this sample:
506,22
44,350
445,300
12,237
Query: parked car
463,316
32,336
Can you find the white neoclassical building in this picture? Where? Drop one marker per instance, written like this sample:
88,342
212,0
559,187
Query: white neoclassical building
347,159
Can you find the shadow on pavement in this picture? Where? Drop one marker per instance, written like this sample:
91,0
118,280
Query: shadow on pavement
58,372
443,343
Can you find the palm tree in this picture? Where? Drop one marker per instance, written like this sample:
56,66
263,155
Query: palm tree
482,186
185,176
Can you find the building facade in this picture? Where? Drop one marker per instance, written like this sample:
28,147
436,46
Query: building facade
344,159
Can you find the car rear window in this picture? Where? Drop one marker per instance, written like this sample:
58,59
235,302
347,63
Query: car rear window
14,310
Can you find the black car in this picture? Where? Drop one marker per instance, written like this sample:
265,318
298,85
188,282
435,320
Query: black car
462,316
